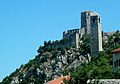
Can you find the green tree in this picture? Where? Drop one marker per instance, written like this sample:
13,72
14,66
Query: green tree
40,50
85,44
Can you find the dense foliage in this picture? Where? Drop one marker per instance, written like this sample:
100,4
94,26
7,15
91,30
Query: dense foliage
100,67
85,45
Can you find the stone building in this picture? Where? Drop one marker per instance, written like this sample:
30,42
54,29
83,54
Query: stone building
73,36
90,24
116,59
106,35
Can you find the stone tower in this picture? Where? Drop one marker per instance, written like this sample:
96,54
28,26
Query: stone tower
91,24
95,35
85,20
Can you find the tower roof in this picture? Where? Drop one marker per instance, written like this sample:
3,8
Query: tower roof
92,13
116,50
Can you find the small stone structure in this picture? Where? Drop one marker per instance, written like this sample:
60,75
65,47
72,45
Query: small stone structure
104,81
73,36
106,35
90,24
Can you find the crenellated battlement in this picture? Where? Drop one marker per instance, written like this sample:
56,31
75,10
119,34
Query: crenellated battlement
72,31
73,35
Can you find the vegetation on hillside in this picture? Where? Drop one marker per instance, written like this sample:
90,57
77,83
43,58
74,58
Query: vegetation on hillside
85,45
29,72
100,67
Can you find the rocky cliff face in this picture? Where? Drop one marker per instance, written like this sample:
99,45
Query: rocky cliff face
47,66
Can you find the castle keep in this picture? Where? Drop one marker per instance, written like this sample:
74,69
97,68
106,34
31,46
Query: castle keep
90,24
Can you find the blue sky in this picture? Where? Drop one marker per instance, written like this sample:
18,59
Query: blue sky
26,24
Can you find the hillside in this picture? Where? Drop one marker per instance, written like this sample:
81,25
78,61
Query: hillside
100,67
50,62
55,61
